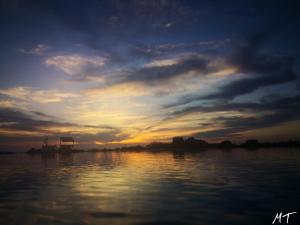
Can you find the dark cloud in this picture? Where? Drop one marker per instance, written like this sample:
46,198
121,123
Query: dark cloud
17,121
24,122
268,114
159,73
262,69
235,125
259,69
281,104
43,115
249,85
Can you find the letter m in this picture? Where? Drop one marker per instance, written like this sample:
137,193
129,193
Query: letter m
277,217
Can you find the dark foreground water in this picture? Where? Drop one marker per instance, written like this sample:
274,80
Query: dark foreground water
210,187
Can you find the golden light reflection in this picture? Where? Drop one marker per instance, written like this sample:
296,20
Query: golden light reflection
130,175
117,179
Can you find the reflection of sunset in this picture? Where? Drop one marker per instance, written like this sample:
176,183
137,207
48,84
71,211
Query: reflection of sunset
130,175
141,187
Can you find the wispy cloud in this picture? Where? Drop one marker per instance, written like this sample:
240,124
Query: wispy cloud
36,95
235,118
159,71
162,62
163,50
118,90
39,49
184,73
75,64
256,69
6,104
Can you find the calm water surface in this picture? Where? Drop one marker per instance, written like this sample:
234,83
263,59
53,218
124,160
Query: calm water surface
210,187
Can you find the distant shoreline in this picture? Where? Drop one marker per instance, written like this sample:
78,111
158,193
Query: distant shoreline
184,145
181,145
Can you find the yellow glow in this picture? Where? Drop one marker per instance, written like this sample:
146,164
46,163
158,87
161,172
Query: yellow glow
225,72
120,90
13,132
162,62
75,129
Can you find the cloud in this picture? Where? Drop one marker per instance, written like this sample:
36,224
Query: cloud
161,77
7,103
36,95
75,64
21,126
201,44
108,137
262,69
246,86
284,103
168,69
21,120
125,93
236,126
118,90
39,49
256,69
159,72
166,49
16,92
253,115
162,62
11,103
42,115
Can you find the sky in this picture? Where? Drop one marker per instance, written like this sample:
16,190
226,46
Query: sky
114,73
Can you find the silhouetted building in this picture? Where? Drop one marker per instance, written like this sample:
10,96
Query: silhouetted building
252,143
226,144
202,143
191,140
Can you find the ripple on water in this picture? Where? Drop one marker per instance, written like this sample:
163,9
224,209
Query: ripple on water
211,187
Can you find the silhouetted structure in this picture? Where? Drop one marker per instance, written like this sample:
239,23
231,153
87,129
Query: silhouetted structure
193,144
66,145
178,145
252,143
227,144
191,140
46,147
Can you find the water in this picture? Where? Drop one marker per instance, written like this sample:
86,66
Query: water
210,187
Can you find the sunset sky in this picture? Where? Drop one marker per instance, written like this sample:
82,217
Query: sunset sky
113,72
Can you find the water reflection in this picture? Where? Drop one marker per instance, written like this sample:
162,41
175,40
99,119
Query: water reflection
209,187
178,155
